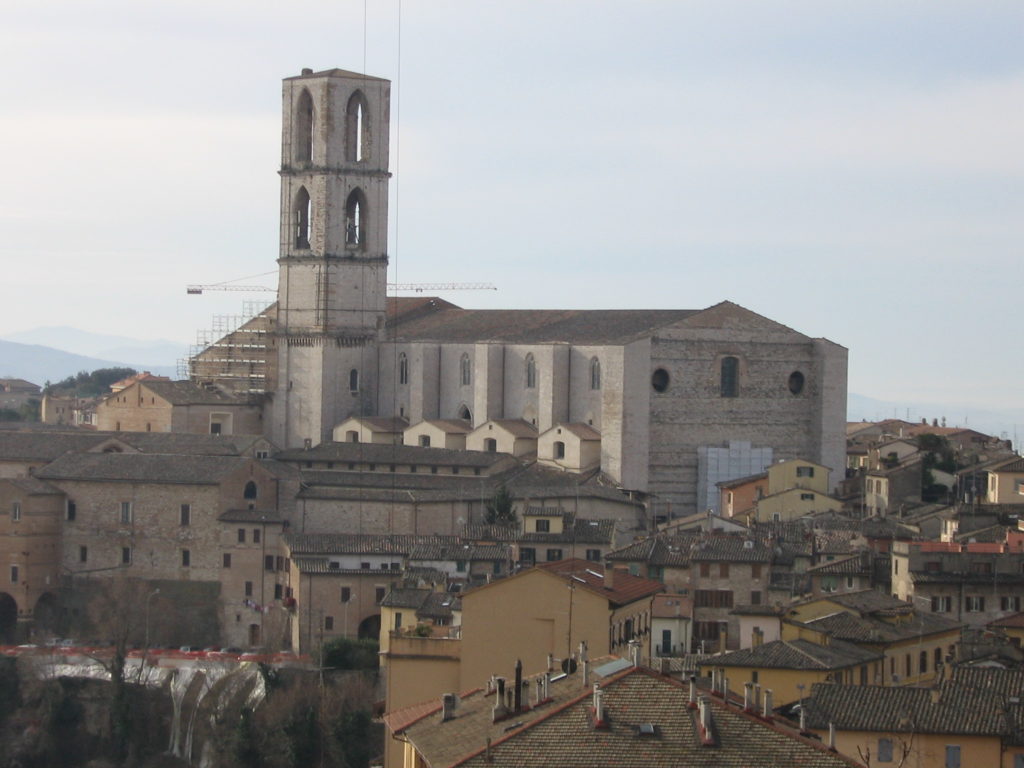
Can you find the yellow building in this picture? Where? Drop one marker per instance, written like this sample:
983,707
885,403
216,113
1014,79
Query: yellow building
789,668
793,503
916,645
969,720
797,473
1006,483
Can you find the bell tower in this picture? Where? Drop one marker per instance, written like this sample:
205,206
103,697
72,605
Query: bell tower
333,258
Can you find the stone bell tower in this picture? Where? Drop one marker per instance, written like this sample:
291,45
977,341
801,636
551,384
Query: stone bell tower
333,256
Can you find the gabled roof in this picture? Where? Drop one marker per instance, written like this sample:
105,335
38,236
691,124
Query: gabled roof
359,543
975,701
187,393
865,629
143,468
32,486
448,426
338,73
797,654
663,549
562,733
578,430
515,427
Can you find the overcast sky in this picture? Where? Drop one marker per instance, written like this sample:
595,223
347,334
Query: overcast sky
850,169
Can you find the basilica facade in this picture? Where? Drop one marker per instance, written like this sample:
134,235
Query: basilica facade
678,399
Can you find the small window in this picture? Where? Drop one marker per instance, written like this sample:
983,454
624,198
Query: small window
83,554
527,555
126,512
255,535
248,589
660,380
805,471
126,555
806,497
559,449
378,594
186,558
730,377
70,511
268,563
595,373
353,381
952,756
355,217
755,597
424,441
328,623
251,491
14,574
594,555
460,566
796,382
553,555
884,750
186,514
16,511
723,570
543,526
465,370
531,372
490,445
346,594
403,369
227,559
241,535
278,591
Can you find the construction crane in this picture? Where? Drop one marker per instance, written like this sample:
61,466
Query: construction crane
196,290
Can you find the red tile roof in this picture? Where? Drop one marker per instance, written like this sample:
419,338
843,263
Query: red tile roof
625,589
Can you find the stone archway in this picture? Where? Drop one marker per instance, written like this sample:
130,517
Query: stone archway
46,615
8,619
369,628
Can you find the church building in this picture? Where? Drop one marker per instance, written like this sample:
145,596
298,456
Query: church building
676,399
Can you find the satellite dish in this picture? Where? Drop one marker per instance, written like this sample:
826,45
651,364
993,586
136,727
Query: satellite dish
569,665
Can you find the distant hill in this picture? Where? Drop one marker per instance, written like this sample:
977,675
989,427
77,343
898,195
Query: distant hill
999,423
147,354
40,364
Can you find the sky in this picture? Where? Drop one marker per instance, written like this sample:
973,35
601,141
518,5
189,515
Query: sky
850,169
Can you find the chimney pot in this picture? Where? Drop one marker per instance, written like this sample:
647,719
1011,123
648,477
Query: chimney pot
748,689
609,577
448,703
832,736
518,693
693,691
803,720
768,703
307,71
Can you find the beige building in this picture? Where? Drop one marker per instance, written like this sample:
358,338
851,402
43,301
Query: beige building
1006,483
513,436
179,406
31,513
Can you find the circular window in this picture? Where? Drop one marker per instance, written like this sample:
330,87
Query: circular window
796,382
659,380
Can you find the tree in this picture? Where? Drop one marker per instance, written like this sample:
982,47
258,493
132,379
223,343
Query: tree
346,653
85,384
500,508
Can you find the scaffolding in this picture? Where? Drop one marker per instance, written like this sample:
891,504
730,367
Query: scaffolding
234,351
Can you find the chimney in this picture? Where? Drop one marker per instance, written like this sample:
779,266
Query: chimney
609,577
585,672
448,702
598,706
725,689
693,692
551,661
500,710
704,719
832,736
634,652
768,704
748,689
583,650
803,720
757,695
519,686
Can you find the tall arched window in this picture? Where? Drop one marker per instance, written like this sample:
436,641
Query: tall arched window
250,491
353,380
357,129
355,218
465,414
302,139
303,214
403,368
531,372
595,373
465,370
730,385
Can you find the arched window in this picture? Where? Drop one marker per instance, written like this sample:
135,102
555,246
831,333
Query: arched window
352,436
302,139
490,444
357,129
250,491
303,215
595,373
730,385
403,368
465,371
355,219
353,380
465,414
559,449
531,372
